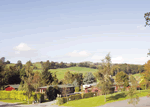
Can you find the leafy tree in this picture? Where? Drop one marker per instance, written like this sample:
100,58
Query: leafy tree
3,75
46,75
52,92
36,80
68,77
19,64
146,74
55,79
133,82
103,75
28,80
122,79
88,78
132,94
75,83
147,18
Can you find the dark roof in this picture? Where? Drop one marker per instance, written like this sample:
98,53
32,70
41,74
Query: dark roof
60,86
14,86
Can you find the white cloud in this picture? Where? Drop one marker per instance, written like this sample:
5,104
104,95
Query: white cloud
22,47
75,53
118,59
141,27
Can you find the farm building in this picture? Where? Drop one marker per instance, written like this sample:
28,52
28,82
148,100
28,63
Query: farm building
12,87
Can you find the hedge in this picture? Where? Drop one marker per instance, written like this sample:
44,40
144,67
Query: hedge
75,97
20,95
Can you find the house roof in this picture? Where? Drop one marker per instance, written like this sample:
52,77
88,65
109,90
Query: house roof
60,86
14,86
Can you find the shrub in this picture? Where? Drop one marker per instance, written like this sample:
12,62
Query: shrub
59,101
90,94
75,97
64,99
77,89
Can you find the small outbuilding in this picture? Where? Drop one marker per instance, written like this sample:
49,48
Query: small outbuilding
12,87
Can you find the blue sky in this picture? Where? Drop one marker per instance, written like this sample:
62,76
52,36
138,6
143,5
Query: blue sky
74,30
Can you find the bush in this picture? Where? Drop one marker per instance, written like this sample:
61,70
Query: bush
75,97
59,101
77,89
64,99
90,94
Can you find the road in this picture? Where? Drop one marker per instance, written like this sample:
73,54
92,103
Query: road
46,104
144,102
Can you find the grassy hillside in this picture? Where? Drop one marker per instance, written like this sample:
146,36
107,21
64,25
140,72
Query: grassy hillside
61,71
137,76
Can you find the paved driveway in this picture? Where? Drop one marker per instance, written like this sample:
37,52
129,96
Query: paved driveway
46,104
144,102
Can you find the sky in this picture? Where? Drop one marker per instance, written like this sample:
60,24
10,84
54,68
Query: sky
74,30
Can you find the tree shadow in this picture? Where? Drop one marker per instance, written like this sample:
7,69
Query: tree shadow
117,96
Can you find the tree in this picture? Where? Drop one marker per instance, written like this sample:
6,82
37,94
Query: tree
46,75
68,77
103,75
75,83
55,79
122,79
132,94
88,78
146,74
28,80
36,80
19,64
3,75
147,18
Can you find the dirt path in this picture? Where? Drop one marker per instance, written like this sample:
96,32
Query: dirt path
144,102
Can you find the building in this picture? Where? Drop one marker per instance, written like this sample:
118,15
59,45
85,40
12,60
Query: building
12,87
69,89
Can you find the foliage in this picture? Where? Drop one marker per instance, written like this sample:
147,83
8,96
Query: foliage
19,95
76,89
28,80
36,80
52,92
75,83
75,97
132,94
90,94
122,79
68,77
88,78
59,101
46,76
103,75
147,18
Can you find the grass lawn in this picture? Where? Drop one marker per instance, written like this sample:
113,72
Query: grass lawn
14,101
99,100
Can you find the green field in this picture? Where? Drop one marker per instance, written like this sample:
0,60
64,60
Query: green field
61,71
137,76
99,100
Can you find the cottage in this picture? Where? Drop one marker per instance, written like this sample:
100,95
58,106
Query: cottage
69,88
12,87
